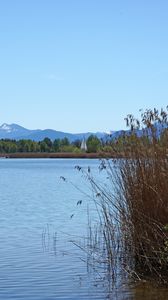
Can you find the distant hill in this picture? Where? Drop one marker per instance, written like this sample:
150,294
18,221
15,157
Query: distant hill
17,132
158,127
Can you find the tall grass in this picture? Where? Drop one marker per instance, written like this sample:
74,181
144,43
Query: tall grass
134,204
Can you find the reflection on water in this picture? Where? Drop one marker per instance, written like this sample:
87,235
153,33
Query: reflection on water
44,253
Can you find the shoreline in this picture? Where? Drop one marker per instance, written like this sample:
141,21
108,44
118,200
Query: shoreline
55,155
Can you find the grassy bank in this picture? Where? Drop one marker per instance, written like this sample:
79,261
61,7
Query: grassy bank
54,155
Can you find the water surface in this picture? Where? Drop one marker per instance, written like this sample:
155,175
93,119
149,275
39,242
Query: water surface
39,218
39,221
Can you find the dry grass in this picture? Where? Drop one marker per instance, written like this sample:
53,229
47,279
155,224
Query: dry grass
134,204
50,155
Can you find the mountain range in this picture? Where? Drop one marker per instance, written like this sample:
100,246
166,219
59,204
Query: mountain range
17,132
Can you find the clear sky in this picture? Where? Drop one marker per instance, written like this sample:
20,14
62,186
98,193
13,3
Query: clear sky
81,65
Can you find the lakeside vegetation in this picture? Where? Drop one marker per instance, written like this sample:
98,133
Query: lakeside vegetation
94,145
133,204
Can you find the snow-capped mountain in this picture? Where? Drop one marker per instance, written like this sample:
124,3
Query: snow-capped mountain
12,131
6,127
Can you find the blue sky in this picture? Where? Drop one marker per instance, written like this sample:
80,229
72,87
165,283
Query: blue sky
81,65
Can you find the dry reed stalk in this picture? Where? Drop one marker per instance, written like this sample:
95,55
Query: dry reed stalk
134,211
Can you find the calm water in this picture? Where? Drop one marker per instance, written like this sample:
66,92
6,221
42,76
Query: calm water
39,220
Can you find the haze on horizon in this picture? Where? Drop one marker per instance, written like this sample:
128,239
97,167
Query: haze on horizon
78,66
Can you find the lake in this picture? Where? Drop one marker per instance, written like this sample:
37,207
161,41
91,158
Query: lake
43,230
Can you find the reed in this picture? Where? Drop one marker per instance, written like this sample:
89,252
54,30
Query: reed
133,205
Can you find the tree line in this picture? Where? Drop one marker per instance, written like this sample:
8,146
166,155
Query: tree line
94,144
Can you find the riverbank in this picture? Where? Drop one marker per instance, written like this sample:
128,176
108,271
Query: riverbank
54,155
